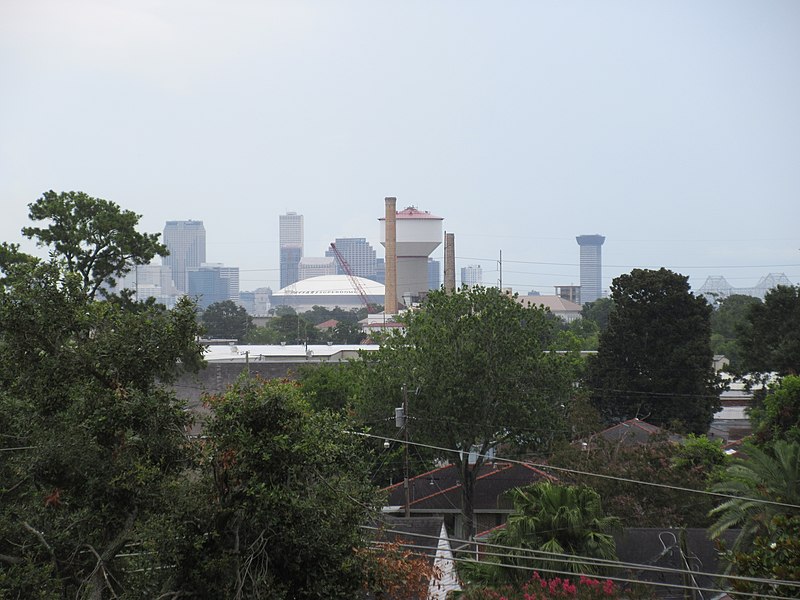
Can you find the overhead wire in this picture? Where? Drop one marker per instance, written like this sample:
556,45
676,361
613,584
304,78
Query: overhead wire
547,467
583,560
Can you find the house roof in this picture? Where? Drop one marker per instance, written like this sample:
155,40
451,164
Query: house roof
634,431
556,304
329,324
440,489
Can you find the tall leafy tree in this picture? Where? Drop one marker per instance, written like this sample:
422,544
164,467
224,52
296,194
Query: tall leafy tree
92,440
226,320
770,337
286,491
478,375
727,320
654,360
92,237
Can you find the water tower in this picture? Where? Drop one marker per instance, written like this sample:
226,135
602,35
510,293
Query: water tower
418,233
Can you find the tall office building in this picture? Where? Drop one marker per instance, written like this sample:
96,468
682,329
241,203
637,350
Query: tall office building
317,266
591,267
290,238
358,253
186,242
212,283
471,275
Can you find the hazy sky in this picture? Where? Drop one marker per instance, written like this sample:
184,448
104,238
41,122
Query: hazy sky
672,128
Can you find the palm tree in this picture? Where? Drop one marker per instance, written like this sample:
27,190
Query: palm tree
763,475
550,518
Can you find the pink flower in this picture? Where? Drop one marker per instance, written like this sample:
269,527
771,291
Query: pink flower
608,587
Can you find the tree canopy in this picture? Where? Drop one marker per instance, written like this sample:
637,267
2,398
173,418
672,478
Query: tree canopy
770,338
226,320
92,440
283,493
778,416
92,237
727,320
477,373
654,360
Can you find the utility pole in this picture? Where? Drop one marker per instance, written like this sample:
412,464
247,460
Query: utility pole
501,270
405,452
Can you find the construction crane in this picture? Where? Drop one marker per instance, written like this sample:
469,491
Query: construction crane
353,279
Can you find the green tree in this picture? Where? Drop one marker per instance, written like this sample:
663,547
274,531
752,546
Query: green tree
727,319
770,337
92,237
226,320
347,333
778,416
695,465
654,360
766,474
775,557
331,386
91,440
287,491
478,375
550,518
598,312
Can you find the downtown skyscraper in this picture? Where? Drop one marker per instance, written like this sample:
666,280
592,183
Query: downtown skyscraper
186,242
290,239
591,267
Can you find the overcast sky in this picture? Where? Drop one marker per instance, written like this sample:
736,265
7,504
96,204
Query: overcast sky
672,128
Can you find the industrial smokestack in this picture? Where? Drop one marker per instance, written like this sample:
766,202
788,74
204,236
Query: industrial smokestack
449,263
390,301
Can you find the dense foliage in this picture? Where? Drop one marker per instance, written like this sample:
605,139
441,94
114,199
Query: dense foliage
226,320
771,475
727,321
696,464
770,338
284,491
778,416
97,439
654,360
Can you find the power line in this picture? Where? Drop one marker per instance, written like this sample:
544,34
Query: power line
590,474
533,554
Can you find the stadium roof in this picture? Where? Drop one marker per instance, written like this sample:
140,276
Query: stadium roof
331,285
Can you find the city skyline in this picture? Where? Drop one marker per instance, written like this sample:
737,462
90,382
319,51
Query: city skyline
522,125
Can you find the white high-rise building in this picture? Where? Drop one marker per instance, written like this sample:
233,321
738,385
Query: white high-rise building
591,267
186,242
471,275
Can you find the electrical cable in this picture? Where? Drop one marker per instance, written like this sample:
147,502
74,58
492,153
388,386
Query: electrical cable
573,559
590,474
578,559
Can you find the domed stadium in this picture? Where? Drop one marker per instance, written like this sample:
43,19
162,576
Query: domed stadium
328,291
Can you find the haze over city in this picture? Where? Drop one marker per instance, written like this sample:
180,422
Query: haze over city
671,128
